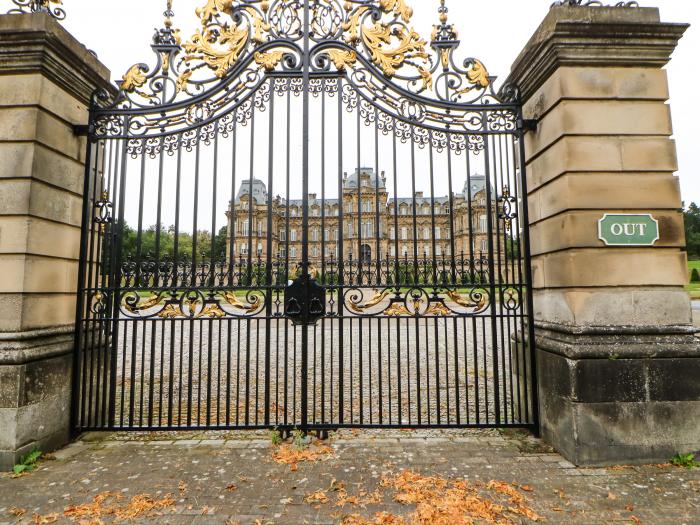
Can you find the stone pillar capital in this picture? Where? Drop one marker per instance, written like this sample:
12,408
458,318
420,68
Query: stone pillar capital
37,44
594,37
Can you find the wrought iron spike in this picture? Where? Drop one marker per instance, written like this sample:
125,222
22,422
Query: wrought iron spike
50,7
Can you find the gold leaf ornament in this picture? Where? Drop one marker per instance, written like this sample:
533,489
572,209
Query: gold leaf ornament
389,59
221,53
183,80
233,300
211,10
374,301
399,7
477,76
438,309
212,311
134,78
269,59
148,303
342,58
352,27
396,310
260,27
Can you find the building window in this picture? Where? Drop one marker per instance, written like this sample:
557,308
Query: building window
293,235
392,233
245,227
260,249
404,250
260,229
283,235
483,223
404,234
283,253
293,253
348,207
437,233
426,233
438,251
314,235
244,249
484,245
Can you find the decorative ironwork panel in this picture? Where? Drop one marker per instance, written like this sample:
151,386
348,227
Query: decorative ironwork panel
305,215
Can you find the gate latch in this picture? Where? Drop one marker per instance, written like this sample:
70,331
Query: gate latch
305,301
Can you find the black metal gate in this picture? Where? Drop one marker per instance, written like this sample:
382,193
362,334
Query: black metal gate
305,216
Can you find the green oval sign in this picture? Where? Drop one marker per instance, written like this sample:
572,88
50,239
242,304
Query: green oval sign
628,230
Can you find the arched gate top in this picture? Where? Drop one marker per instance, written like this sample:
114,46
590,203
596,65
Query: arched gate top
243,46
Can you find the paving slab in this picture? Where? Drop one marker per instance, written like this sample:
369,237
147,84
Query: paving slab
222,480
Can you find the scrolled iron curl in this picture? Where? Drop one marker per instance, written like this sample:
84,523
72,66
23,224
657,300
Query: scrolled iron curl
510,299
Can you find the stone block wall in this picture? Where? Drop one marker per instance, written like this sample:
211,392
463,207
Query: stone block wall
46,81
616,353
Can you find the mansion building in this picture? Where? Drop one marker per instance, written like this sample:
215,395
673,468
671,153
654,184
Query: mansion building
365,201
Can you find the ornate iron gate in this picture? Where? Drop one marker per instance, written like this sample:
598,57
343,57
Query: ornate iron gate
305,216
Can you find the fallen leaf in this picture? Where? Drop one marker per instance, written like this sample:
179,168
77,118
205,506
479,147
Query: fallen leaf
612,496
316,497
292,456
17,512
232,487
45,520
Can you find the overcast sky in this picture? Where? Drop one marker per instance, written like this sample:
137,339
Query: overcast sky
494,31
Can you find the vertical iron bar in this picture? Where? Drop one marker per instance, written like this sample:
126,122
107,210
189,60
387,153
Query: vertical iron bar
305,217
268,264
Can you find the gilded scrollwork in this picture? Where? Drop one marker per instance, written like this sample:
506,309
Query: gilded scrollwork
192,304
412,84
507,208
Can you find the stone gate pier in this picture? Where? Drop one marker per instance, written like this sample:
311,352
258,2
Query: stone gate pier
46,80
618,363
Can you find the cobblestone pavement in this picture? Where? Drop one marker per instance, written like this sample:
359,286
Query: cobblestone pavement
197,469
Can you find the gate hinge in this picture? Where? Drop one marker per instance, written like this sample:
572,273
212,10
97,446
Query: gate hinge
82,130
527,124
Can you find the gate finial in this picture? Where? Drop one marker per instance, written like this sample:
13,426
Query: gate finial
167,36
444,32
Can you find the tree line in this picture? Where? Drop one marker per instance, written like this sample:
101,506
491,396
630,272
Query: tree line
692,230
163,245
